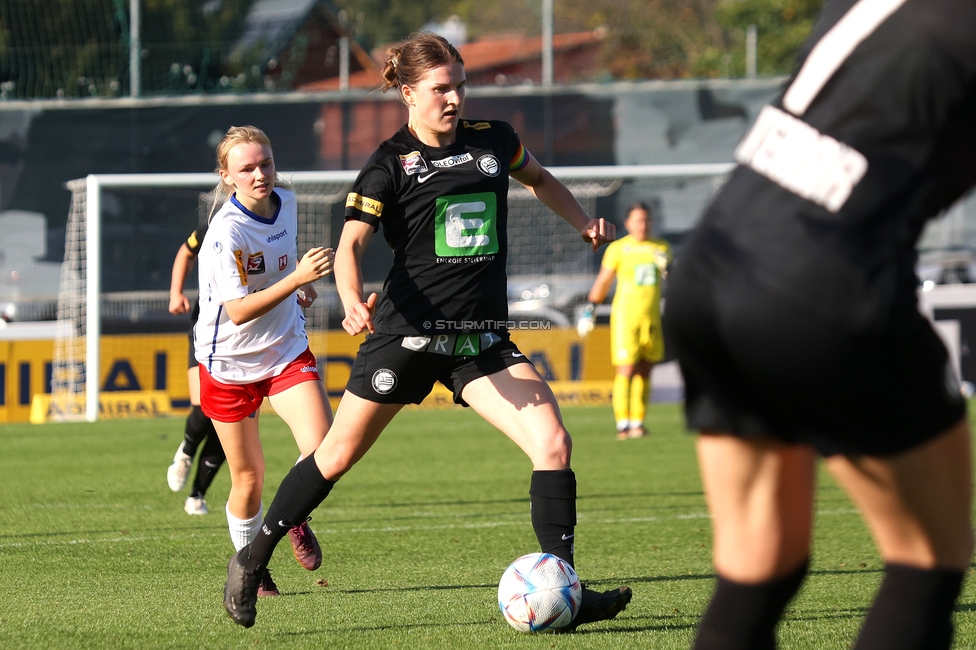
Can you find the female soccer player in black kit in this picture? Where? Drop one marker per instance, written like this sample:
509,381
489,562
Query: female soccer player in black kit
439,187
792,310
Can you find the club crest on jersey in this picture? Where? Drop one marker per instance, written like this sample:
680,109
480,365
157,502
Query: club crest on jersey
452,161
255,263
413,163
384,381
282,262
488,165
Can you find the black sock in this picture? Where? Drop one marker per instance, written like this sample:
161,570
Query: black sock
913,609
198,426
552,497
301,491
211,458
744,617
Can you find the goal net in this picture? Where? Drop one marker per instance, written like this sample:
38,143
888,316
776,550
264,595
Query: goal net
123,232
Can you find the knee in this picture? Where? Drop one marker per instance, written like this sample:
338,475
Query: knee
248,481
554,449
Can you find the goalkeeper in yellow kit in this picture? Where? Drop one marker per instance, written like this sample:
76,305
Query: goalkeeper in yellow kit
639,265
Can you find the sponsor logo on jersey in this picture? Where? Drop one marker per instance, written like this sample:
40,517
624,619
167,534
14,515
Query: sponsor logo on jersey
277,236
308,369
477,126
801,160
255,263
218,247
424,179
453,161
282,262
364,204
645,275
384,381
415,343
241,271
468,345
489,165
465,225
413,163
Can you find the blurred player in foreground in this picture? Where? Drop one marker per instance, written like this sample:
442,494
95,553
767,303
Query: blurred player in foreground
250,337
639,264
199,428
440,187
792,309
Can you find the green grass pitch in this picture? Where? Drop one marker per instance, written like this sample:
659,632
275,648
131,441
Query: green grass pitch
96,552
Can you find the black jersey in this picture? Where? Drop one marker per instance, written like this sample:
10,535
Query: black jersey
874,135
444,212
792,307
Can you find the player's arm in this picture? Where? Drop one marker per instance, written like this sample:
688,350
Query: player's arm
178,302
598,293
315,264
349,277
557,197
601,286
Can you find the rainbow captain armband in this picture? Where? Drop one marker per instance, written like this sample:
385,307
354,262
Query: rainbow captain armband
519,160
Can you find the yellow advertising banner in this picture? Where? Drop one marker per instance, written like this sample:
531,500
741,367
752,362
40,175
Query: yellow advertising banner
111,406
157,363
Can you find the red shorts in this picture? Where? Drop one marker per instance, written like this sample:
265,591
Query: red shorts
234,402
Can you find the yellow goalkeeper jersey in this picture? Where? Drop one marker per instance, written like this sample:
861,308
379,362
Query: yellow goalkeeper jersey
639,267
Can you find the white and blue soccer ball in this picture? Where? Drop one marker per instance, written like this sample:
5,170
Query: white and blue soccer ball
539,592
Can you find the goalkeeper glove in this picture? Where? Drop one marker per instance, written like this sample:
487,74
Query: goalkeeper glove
587,321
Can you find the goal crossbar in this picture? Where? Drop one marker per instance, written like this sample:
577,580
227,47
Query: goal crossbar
94,184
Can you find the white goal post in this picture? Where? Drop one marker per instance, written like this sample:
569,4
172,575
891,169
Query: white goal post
539,244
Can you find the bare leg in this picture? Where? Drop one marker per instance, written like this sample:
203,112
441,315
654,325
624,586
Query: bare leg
520,404
760,495
245,459
918,504
306,410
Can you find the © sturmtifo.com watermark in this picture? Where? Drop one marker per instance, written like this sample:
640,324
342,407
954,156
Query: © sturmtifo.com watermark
487,325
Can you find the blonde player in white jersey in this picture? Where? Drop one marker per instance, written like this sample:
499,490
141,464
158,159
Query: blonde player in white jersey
250,338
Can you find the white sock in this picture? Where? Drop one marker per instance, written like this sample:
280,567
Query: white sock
243,531
623,425
636,424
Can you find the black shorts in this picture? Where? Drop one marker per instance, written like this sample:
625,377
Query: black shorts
191,360
392,369
765,359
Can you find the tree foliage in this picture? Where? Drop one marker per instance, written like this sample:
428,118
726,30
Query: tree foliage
80,48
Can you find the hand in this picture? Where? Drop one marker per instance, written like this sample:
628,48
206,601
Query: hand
598,232
360,316
178,304
587,321
307,295
317,263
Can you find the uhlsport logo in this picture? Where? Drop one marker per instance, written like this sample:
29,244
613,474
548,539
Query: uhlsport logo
488,165
384,381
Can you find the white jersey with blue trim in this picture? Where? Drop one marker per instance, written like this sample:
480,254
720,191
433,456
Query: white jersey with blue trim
241,254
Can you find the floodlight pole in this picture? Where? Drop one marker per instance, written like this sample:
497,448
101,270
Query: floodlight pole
547,71
135,50
752,39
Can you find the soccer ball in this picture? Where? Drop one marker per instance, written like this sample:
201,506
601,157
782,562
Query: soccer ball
539,592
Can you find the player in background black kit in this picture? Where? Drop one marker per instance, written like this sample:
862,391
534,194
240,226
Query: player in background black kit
792,310
439,187
199,428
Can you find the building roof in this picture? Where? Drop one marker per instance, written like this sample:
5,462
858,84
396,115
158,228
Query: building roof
480,57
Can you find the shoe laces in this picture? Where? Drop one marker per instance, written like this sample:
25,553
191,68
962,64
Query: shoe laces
303,532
